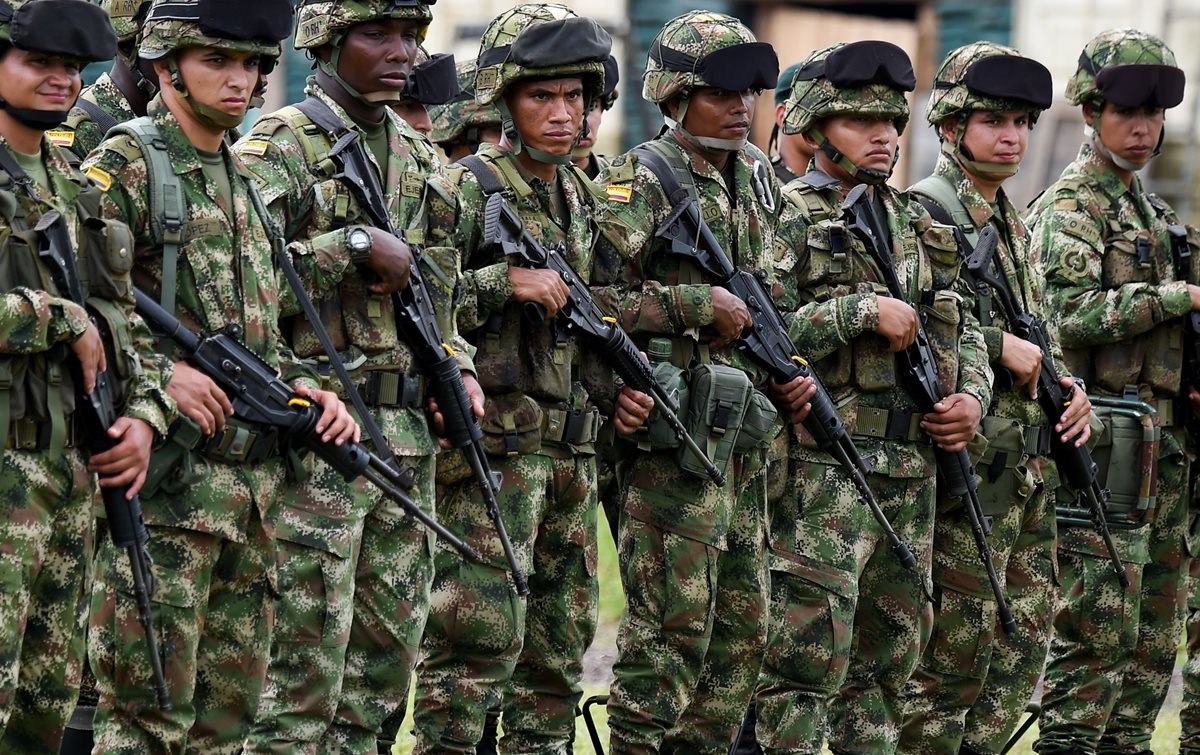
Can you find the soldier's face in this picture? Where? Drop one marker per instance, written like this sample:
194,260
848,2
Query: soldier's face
548,113
868,141
221,79
378,55
39,81
1129,133
719,113
997,137
414,114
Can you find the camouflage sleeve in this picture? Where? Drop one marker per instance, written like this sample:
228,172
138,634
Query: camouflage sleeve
974,365
627,222
1069,244
440,196
486,287
87,137
817,323
31,321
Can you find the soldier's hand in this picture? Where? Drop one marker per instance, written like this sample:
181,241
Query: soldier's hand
632,410
953,421
199,398
89,349
792,397
730,317
391,260
474,393
125,463
1194,292
898,323
336,424
1076,420
1024,360
1194,399
544,287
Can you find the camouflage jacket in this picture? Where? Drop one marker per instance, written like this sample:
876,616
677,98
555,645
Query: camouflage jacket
313,210
659,294
1112,279
35,316
225,276
835,298
520,365
80,134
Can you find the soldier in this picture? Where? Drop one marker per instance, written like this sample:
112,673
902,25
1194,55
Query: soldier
433,82
974,681
791,159
538,64
692,555
583,156
1119,283
52,353
354,569
117,96
847,619
216,477
462,124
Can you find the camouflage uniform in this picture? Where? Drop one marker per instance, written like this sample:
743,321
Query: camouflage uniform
354,569
974,680
1120,327
483,640
691,553
214,560
47,528
839,596
461,119
1189,713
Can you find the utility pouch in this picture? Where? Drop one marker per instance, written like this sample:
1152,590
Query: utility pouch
717,402
1126,455
512,425
759,426
176,465
1005,479
657,433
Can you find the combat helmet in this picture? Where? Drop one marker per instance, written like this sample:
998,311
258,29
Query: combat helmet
434,79
536,41
856,78
985,76
126,17
73,29
462,118
325,22
256,28
705,49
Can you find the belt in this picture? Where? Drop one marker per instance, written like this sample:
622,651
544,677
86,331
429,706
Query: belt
887,424
1036,437
384,388
570,427
27,434
239,443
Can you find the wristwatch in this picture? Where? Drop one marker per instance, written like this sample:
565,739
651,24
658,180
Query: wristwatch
358,241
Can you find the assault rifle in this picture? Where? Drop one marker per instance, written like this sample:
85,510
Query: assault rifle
416,324
766,342
260,396
920,366
95,414
1074,463
582,315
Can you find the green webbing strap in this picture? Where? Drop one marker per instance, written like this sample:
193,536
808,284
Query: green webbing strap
168,205
944,197
54,406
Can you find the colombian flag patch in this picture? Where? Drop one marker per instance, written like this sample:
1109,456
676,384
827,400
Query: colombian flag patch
99,178
256,147
61,138
618,193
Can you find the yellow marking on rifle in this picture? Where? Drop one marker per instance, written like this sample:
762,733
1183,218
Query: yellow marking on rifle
801,360
300,402
449,350
610,320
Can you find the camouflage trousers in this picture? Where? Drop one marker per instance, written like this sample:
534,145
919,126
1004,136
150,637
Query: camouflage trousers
974,681
212,611
46,531
1189,713
692,636
483,643
837,592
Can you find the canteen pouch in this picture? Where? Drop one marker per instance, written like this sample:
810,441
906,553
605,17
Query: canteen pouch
657,433
759,426
717,402
512,424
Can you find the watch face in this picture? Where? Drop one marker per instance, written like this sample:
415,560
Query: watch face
359,240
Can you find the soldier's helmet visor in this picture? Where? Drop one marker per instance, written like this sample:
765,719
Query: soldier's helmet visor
1008,77
737,68
262,20
61,27
434,82
861,64
612,75
563,42
1141,85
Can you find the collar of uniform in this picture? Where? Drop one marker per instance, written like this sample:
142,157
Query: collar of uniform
701,167
182,154
60,173
1097,168
977,207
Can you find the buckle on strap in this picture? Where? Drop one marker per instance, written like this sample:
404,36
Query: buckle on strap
870,422
571,427
400,389
27,434
1037,439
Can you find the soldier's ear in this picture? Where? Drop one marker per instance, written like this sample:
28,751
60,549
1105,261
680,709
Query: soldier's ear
947,131
1089,113
162,72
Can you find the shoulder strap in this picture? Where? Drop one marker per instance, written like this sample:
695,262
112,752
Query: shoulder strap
937,195
99,115
487,178
167,202
668,167
323,116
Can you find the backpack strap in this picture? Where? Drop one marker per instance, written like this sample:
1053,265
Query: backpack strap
167,202
487,178
99,115
937,195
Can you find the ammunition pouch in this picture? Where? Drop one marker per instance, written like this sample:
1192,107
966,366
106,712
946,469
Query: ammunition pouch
1005,477
1126,454
718,400
515,424
242,443
760,425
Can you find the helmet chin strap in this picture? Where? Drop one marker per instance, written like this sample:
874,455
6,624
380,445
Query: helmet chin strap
1117,160
704,142
866,175
961,154
206,114
38,120
370,99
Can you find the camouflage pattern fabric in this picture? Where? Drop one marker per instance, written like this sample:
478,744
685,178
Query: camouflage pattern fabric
956,666
1087,229
696,33
208,528
818,98
719,630
81,135
319,23
1113,48
953,97
1189,712
452,120
482,641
